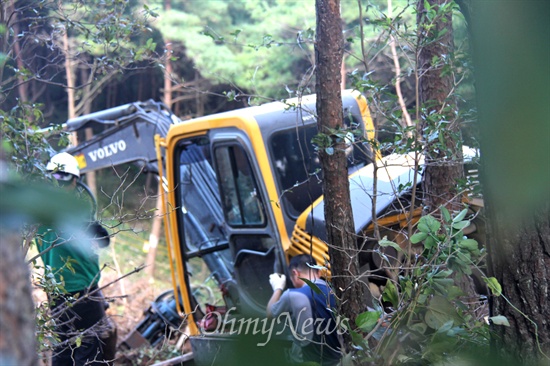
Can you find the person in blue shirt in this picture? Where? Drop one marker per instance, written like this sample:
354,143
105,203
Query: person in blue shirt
314,327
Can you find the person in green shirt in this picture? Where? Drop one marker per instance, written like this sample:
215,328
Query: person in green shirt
71,254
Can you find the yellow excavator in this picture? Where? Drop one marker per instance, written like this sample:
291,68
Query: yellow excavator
242,194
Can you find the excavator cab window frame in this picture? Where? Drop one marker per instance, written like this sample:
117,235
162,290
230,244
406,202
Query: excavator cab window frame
196,171
242,202
292,149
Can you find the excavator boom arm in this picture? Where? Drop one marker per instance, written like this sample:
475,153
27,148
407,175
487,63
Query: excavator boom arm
127,135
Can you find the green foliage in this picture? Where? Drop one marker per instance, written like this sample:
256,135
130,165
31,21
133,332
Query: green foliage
366,321
107,29
336,138
313,286
91,40
493,285
390,294
26,147
431,323
448,243
236,43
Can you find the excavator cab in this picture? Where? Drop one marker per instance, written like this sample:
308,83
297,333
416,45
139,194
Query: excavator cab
236,183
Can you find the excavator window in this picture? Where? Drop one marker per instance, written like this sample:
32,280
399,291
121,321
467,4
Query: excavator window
240,195
297,165
201,213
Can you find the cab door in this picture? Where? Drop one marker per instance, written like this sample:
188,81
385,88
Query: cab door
253,239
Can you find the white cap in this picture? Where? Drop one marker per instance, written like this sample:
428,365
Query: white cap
64,162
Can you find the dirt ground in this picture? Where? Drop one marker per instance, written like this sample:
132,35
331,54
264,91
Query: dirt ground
127,302
129,299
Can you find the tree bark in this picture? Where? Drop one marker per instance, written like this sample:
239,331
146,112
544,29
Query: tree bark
17,317
338,214
443,157
520,261
513,122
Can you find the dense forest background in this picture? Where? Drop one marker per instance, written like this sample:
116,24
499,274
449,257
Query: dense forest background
208,56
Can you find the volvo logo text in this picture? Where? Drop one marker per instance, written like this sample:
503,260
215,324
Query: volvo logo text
106,151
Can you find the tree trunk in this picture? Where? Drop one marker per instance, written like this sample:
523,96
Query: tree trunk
17,318
443,159
338,214
69,74
513,114
154,235
439,125
520,261
157,219
91,180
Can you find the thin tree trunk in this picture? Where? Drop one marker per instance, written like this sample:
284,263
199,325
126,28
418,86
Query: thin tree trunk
199,102
69,73
443,155
443,161
22,88
154,235
157,220
406,121
91,180
168,76
338,214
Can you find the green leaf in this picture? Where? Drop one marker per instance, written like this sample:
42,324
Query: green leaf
428,224
356,338
367,320
419,328
461,224
418,237
493,285
390,294
384,242
500,320
313,286
236,33
422,226
461,215
440,311
208,34
443,284
446,214
231,95
445,327
453,292
442,32
150,44
433,224
468,244
430,242
422,298
443,274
